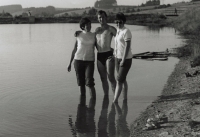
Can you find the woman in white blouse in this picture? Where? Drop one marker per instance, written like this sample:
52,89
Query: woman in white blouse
123,55
84,56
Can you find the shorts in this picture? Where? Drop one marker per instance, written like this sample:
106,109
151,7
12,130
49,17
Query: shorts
122,71
84,72
102,57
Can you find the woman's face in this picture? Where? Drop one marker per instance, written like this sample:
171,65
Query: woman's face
119,23
87,27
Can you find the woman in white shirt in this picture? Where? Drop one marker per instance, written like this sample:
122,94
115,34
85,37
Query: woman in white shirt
84,56
123,55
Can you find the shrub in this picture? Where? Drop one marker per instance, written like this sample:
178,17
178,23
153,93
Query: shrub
188,23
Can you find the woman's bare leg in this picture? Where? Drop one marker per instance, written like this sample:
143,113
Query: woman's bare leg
125,89
118,91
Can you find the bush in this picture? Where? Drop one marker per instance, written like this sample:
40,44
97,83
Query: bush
188,23
162,16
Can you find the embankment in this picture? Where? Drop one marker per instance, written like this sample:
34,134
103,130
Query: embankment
180,98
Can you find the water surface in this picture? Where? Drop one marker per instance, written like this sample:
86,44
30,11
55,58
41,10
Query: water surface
39,98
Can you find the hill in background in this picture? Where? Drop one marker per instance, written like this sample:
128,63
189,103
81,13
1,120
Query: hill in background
51,11
11,8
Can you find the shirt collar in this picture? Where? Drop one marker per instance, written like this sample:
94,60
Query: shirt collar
121,28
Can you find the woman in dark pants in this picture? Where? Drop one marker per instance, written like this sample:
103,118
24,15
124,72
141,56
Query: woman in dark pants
84,56
123,55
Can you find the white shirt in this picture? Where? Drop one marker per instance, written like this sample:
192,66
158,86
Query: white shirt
85,46
122,36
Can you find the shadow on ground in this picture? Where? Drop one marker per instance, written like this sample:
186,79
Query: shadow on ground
182,96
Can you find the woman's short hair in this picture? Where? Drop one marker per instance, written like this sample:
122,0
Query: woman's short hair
120,16
100,12
83,22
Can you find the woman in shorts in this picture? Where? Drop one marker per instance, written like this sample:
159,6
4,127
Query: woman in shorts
84,56
123,55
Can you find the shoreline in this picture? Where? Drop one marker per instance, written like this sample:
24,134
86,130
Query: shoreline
178,101
41,20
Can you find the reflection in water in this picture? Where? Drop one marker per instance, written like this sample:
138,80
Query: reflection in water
111,122
122,127
155,28
85,124
102,124
30,33
108,126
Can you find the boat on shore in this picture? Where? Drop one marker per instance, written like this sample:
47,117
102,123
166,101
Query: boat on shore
152,55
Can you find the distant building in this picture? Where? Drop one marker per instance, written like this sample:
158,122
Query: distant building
105,3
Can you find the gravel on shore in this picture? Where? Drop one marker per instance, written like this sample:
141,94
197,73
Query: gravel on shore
179,101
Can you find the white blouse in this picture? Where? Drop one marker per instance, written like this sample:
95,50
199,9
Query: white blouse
85,46
122,36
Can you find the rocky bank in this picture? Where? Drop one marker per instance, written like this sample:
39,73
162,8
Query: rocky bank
179,101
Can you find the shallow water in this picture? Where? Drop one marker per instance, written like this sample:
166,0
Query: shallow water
39,98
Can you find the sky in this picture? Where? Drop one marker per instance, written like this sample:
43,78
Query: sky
74,3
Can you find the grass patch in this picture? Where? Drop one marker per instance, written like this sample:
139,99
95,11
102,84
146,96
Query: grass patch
188,25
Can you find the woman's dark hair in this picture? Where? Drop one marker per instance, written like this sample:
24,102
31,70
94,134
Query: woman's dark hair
83,22
100,12
120,16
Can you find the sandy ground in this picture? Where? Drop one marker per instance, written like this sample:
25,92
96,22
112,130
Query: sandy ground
180,103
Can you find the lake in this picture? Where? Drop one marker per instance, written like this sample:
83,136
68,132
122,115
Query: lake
39,98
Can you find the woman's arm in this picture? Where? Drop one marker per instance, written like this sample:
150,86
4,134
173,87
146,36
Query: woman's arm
72,56
127,48
76,34
113,31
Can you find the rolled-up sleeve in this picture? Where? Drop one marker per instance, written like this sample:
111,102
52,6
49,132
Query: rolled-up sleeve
127,35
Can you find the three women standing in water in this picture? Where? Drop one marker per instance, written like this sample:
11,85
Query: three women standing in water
83,54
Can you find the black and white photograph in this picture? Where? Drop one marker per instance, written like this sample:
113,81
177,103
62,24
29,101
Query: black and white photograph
99,68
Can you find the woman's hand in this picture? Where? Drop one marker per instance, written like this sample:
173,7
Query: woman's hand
122,63
76,34
111,58
69,68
